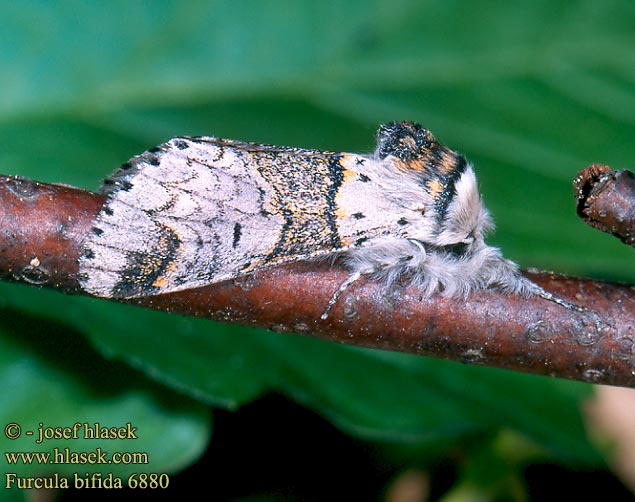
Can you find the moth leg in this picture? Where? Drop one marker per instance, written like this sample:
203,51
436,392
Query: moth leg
552,298
376,266
537,290
343,287
419,245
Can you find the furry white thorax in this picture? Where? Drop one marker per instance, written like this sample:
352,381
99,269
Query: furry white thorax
438,254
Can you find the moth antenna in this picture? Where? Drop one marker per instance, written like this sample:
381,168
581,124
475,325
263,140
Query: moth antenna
343,287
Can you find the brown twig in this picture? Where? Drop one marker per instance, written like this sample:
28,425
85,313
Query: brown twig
42,227
605,200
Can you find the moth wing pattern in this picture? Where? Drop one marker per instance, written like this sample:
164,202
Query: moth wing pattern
190,212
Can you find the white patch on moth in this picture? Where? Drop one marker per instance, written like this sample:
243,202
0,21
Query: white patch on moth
364,209
467,220
392,259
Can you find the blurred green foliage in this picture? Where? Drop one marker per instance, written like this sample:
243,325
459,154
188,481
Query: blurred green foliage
531,92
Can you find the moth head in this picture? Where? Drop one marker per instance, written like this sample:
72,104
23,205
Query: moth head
437,185
407,143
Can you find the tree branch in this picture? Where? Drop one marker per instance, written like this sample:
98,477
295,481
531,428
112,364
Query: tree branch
606,200
42,227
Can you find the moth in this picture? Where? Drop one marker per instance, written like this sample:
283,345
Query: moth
200,210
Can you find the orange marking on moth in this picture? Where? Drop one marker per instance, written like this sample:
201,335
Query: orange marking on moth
349,176
435,187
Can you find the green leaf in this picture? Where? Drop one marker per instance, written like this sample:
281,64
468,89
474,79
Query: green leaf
531,93
52,380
